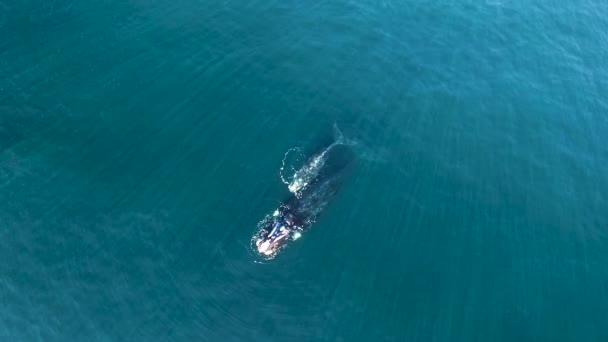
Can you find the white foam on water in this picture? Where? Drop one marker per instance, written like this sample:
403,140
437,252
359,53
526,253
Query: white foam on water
282,169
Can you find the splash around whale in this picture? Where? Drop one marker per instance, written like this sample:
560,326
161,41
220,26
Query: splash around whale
313,187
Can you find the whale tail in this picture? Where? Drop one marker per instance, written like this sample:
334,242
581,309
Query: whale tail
338,135
339,138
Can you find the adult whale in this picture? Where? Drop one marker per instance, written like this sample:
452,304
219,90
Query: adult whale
300,209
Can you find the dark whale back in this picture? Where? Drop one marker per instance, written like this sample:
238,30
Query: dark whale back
312,200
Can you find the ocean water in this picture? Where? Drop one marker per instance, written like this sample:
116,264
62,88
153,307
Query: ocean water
141,141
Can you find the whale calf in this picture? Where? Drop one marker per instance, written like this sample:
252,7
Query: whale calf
311,168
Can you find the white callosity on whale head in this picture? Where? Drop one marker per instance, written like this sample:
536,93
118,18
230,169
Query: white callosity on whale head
267,247
264,247
272,243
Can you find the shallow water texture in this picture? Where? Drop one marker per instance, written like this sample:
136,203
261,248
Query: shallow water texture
141,141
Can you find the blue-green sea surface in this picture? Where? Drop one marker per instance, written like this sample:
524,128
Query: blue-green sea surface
141,142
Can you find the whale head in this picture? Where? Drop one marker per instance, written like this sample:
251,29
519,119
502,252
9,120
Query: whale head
264,247
271,244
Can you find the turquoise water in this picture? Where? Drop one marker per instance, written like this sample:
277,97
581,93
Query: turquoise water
140,144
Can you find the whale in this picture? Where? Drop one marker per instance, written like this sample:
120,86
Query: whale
309,171
300,210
